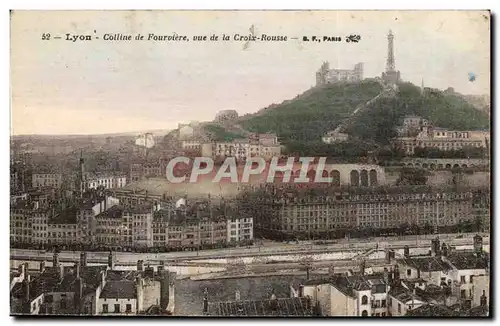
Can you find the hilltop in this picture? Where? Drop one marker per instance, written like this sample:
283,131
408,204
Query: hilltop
301,122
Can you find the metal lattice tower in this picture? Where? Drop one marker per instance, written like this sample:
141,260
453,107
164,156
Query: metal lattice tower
391,64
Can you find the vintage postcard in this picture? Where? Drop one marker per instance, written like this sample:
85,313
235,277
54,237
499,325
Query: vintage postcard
250,163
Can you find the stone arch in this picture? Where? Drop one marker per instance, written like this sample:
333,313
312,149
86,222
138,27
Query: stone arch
440,166
364,178
410,165
432,166
464,166
354,178
335,174
364,313
448,166
417,165
373,177
425,165
472,165
456,166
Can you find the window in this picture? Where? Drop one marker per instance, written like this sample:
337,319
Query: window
408,272
472,278
364,300
117,307
462,294
364,313
399,307
49,298
128,308
462,279
63,304
383,303
105,308
383,314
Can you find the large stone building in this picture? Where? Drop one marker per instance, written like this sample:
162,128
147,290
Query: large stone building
266,146
287,213
325,75
443,139
133,221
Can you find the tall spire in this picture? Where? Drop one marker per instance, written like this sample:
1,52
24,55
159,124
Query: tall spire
391,64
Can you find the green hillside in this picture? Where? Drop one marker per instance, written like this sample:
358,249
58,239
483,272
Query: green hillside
301,122
310,115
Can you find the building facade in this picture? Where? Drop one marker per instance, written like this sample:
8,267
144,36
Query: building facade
325,75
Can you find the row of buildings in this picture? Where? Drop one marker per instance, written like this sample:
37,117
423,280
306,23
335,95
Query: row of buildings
266,146
92,290
417,132
443,283
289,212
101,220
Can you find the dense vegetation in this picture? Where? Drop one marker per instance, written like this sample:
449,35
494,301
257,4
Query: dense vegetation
300,123
218,133
312,114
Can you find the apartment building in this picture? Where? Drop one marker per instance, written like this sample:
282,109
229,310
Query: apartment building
266,146
443,139
106,180
296,213
47,179
239,229
91,290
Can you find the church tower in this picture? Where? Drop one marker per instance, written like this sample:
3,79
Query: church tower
391,75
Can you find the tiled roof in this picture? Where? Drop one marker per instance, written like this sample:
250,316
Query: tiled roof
271,307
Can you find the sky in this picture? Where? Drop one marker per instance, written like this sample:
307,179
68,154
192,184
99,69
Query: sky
98,86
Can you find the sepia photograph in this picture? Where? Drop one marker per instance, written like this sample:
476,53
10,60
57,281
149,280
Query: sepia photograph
250,163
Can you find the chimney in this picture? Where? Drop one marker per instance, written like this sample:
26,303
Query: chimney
307,273
387,256
418,272
386,275
103,279
396,274
149,272
444,250
435,248
76,270
331,271
478,244
484,299
205,302
22,269
140,293
83,259
362,267
42,266
27,281
78,293
55,260
301,290
237,296
60,271
407,251
140,265
111,260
